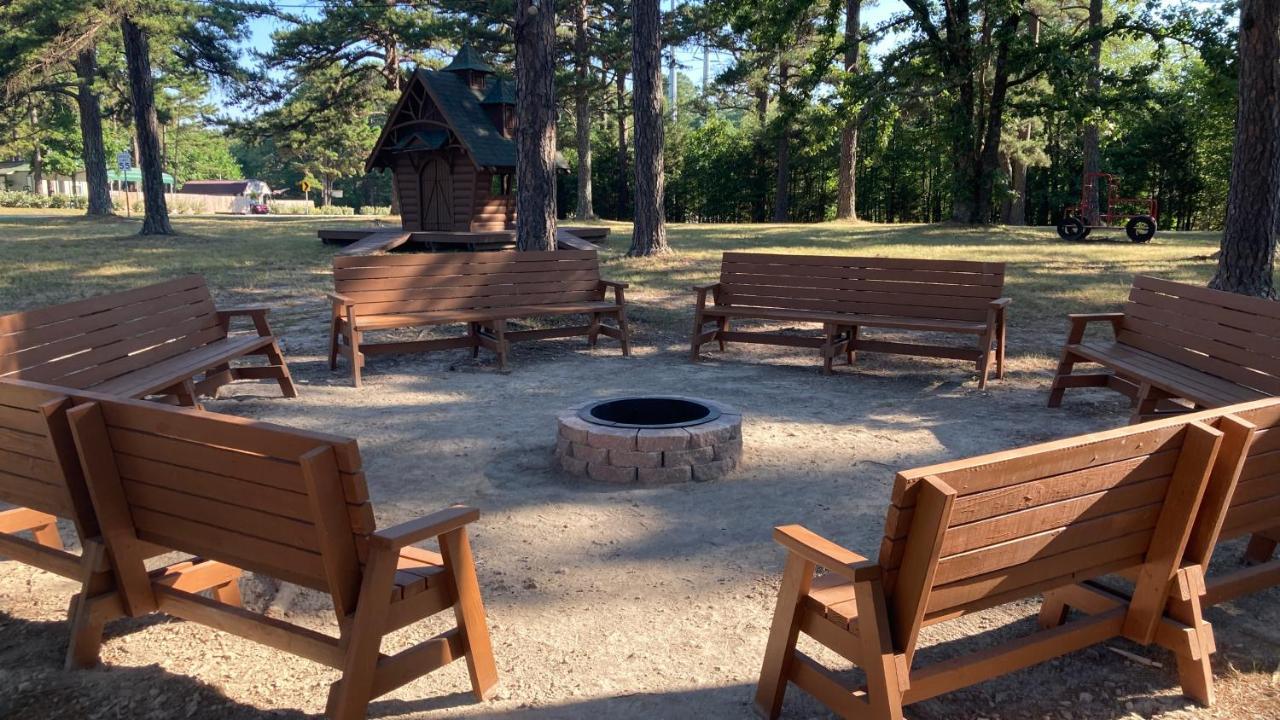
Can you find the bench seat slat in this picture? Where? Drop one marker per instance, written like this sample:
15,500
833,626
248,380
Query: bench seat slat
1168,375
846,319
395,320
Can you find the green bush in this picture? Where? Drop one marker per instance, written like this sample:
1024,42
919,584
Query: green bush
24,199
374,210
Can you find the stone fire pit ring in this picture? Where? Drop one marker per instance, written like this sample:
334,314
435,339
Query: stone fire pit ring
650,440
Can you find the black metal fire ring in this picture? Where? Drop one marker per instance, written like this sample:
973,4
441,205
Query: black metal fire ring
652,412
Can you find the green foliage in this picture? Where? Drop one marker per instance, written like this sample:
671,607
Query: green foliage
23,199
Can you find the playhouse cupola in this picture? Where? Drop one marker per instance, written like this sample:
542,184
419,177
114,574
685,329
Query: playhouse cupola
470,67
499,104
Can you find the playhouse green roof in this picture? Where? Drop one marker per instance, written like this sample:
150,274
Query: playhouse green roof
501,92
468,59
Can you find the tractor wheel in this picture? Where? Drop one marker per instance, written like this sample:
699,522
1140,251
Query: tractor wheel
1141,228
1072,228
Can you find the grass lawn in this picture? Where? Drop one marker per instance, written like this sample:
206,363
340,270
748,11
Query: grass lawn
50,256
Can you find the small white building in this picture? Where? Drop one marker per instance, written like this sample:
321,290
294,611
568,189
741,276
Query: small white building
18,176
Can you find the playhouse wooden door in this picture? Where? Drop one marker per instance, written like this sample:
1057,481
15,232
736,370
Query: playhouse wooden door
437,194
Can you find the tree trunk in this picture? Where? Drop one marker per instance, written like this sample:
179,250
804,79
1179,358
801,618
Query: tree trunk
847,178
95,153
761,153
1246,264
37,153
1090,137
142,90
582,110
620,93
995,121
536,132
649,236
782,155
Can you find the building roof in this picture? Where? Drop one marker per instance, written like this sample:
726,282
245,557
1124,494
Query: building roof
468,59
9,168
501,92
215,187
133,175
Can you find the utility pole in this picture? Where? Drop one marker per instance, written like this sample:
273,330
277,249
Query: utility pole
706,69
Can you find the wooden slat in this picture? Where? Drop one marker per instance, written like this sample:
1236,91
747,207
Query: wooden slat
944,290
32,493
261,523
139,296
23,419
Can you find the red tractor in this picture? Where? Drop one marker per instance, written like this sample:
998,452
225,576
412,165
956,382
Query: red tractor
1136,215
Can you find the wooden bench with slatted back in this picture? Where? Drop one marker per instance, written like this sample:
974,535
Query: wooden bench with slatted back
40,475
973,534
152,340
848,294
290,505
482,290
1177,347
1243,499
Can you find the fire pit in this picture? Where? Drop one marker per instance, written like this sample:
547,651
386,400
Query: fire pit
650,440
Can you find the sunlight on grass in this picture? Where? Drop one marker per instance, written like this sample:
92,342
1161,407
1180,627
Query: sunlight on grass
50,256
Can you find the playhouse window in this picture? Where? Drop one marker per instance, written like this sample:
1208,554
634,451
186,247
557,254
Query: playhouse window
500,185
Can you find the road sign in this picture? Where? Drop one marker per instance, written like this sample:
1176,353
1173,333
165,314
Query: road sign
306,186
124,161
335,193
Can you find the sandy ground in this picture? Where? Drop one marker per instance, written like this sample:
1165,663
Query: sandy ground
626,603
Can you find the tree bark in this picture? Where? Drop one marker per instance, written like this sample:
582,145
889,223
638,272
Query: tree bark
847,178
649,236
1246,264
536,131
95,153
155,221
582,110
1090,137
620,93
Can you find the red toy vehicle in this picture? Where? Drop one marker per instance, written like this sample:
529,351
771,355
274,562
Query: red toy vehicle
1139,225
259,209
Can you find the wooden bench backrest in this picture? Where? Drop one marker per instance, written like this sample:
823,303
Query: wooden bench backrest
931,289
286,503
1234,337
425,282
972,534
38,464
87,342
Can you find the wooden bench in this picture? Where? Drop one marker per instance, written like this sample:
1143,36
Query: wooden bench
1177,347
968,535
152,340
287,504
482,290
1243,499
848,294
40,475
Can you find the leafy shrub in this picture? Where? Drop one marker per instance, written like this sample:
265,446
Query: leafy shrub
374,210
24,199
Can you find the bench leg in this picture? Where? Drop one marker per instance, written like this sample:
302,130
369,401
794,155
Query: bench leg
829,347
185,392
469,611
1260,549
1146,403
1054,610
780,651
624,329
500,339
473,332
349,697
695,345
851,351
1065,366
353,344
1195,672
276,359
85,617
724,328
335,330
593,330
1002,334
984,360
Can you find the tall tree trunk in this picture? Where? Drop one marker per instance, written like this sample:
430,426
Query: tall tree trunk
761,152
620,93
1246,264
966,145
37,152
649,236
782,154
1090,137
582,110
847,178
536,132
95,154
995,121
142,89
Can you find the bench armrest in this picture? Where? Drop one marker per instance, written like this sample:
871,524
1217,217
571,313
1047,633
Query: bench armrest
619,290
1079,321
424,528
257,312
1001,303
337,299
704,289
824,553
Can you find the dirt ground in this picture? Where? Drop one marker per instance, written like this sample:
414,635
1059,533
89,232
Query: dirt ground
626,603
